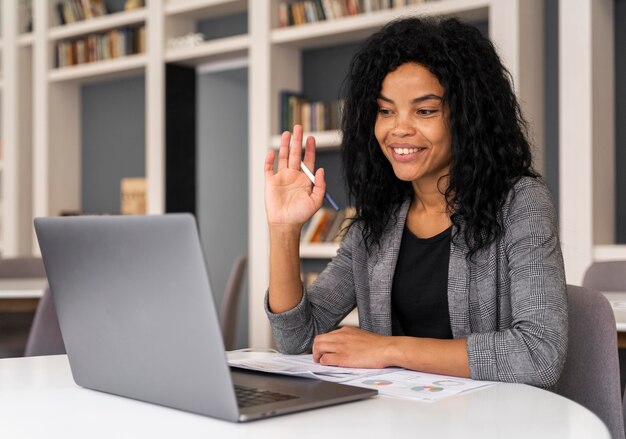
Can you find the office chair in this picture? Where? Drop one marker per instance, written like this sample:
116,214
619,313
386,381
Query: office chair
590,376
606,276
230,302
16,325
21,268
45,337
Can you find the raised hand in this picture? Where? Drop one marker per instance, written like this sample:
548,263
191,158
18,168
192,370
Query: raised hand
290,199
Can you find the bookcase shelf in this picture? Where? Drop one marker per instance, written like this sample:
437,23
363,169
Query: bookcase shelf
357,27
210,51
98,24
609,253
128,65
325,250
204,8
330,140
26,39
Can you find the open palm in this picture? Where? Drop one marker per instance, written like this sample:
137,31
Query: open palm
290,198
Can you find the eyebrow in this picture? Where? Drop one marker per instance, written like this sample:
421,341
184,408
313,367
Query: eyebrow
414,101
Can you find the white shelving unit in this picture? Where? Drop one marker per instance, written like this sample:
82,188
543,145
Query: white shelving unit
41,173
56,161
587,135
17,127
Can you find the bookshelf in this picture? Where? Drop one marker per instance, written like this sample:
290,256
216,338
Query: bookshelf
42,146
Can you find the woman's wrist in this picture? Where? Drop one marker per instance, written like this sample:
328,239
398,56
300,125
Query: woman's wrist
285,232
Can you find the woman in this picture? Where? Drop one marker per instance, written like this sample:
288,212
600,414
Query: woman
453,260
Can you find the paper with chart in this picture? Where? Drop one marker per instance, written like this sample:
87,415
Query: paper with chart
395,382
408,384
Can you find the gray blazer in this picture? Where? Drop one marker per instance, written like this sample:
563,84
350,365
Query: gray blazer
510,302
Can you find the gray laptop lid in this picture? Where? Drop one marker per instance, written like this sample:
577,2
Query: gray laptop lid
136,310
138,319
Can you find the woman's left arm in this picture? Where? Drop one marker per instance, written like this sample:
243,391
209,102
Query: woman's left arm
352,347
533,347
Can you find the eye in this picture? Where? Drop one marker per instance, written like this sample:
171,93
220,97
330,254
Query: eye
384,112
426,112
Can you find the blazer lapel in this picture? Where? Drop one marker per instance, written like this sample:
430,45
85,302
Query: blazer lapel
381,266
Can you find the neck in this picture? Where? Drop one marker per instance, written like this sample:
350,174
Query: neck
429,198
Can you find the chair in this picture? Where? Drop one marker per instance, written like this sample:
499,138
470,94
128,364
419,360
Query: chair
230,302
16,325
590,376
21,268
606,276
45,334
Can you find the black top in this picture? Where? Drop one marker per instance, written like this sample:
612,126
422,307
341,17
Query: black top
419,295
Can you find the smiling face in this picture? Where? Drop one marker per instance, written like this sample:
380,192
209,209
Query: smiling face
411,126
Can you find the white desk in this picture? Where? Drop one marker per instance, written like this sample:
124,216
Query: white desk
21,295
38,398
618,303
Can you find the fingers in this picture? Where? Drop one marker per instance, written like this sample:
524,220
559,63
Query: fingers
269,163
295,152
319,187
283,151
309,153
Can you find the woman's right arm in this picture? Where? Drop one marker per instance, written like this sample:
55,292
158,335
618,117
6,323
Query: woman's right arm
290,201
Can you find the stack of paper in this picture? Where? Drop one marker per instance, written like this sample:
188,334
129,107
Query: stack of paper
395,382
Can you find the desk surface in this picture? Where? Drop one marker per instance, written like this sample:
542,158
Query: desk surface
22,288
618,303
38,398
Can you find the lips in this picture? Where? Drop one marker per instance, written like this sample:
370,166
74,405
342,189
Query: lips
406,153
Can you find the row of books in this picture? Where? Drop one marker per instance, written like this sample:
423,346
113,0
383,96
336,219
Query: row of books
292,13
71,11
313,116
327,225
98,47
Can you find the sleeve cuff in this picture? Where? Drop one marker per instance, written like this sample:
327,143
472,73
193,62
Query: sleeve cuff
296,317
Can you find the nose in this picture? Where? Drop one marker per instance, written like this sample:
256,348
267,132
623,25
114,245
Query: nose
403,127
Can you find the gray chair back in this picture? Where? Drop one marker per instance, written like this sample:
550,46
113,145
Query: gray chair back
606,276
230,302
45,334
21,268
591,372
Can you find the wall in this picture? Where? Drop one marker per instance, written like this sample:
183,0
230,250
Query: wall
222,169
113,139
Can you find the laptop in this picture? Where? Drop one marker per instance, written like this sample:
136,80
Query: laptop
138,320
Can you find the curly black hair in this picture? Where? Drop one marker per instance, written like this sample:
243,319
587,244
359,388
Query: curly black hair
490,148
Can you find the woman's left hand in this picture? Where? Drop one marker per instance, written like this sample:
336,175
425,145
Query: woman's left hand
352,347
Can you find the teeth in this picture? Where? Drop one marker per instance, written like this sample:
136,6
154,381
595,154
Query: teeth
405,151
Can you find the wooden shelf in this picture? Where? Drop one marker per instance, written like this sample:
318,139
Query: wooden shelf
357,27
215,50
89,72
106,22
323,139
325,250
200,9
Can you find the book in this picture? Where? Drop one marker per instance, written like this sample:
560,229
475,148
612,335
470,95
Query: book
133,196
314,223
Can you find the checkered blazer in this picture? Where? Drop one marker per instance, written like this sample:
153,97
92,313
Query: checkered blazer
510,302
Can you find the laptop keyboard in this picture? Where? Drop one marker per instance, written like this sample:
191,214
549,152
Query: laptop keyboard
248,397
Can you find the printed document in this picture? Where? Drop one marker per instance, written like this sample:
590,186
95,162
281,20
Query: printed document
394,382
